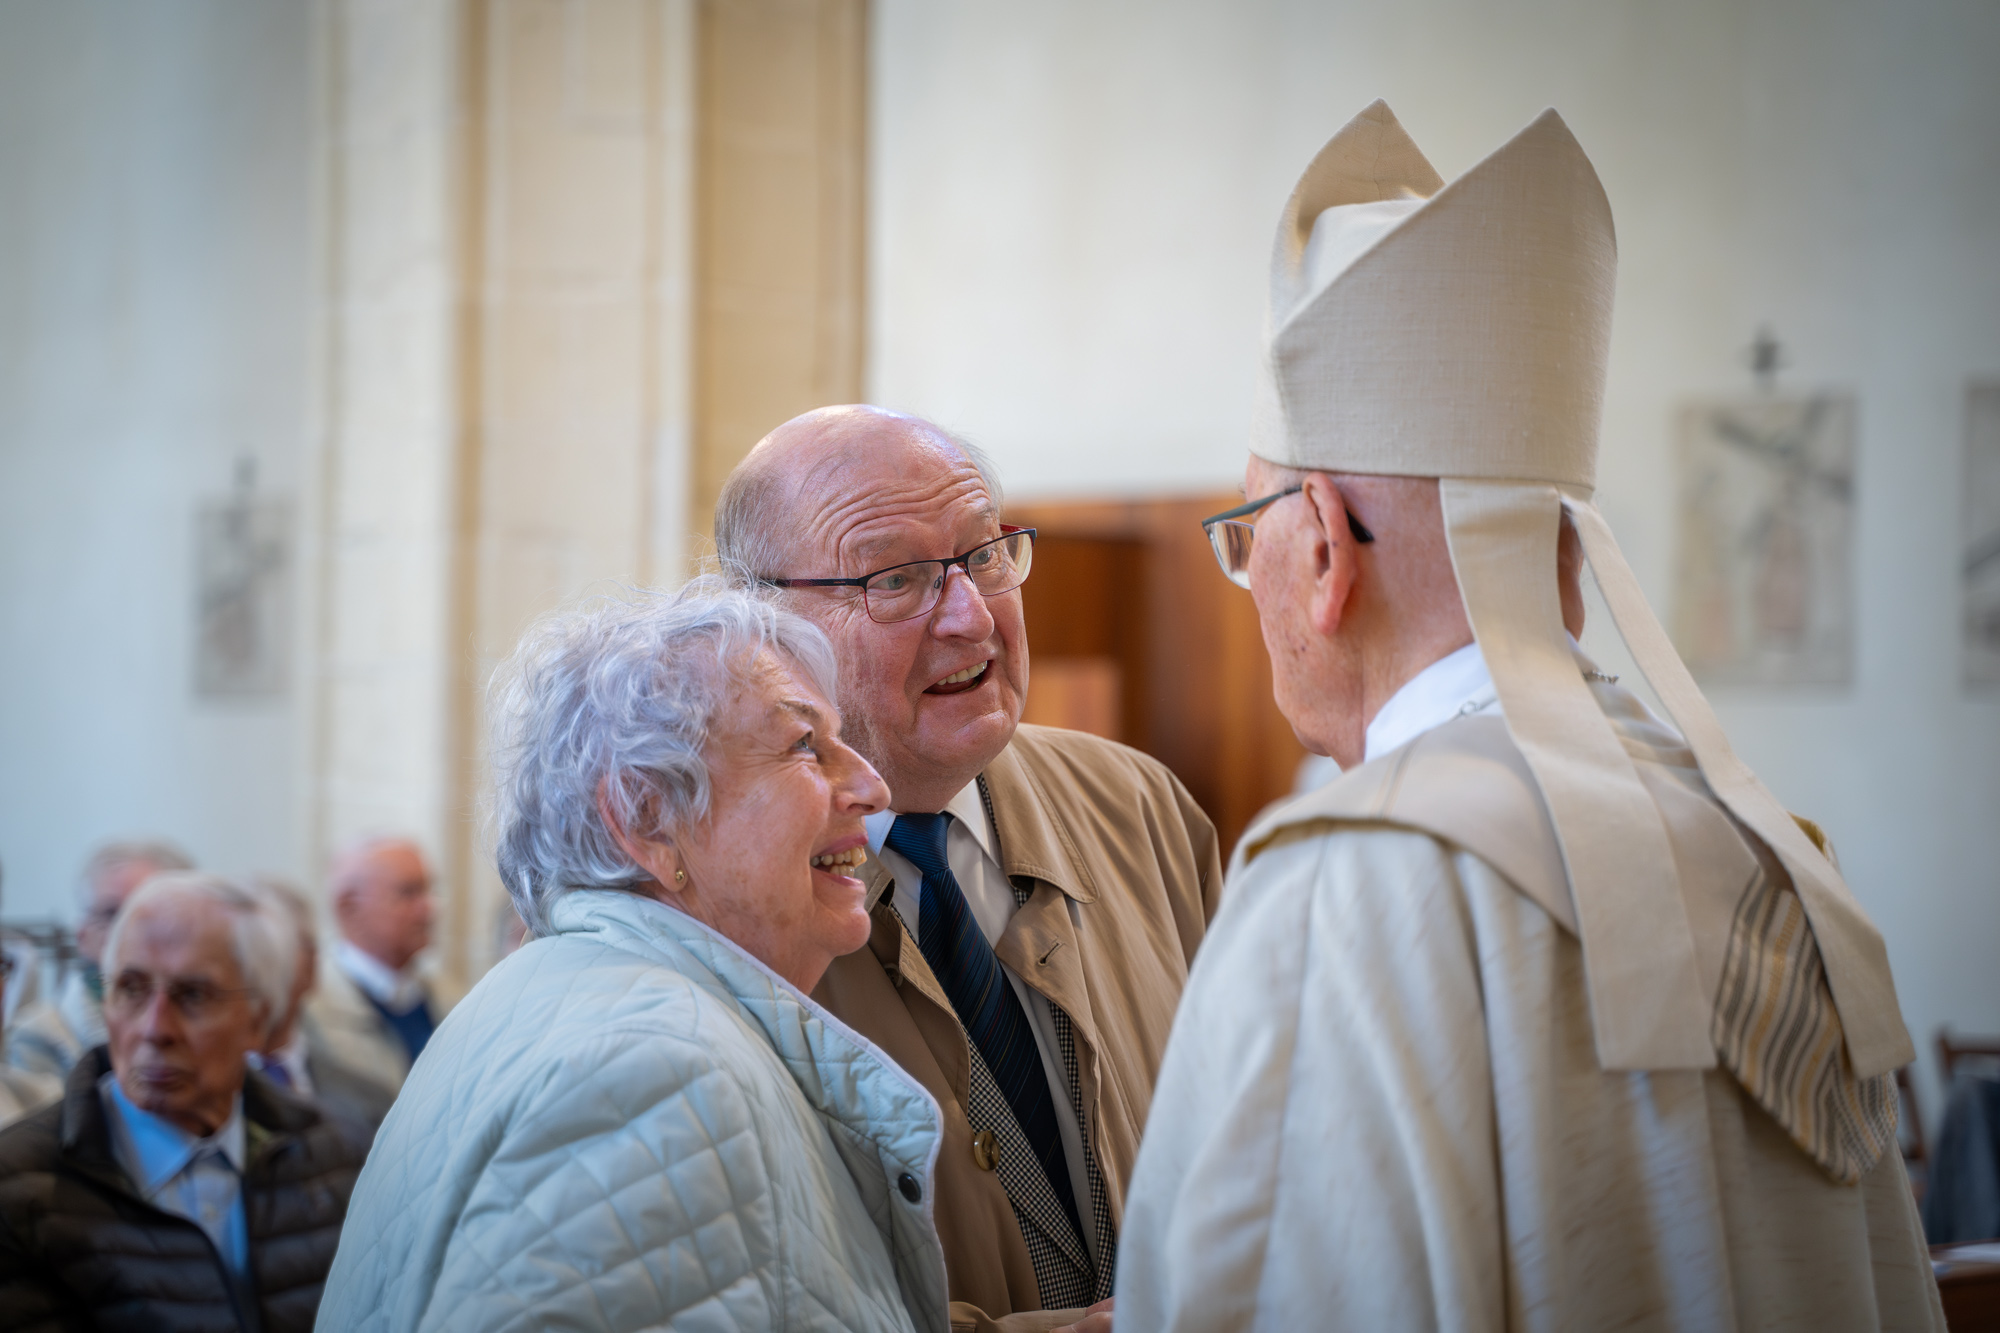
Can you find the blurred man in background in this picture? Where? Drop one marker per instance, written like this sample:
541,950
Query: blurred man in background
51,1036
284,1057
171,1187
373,1011
20,1090
294,1056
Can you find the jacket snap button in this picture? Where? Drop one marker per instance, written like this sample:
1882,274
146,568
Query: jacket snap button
985,1150
912,1191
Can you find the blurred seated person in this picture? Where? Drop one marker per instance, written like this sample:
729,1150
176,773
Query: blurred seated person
284,1057
289,1057
373,1010
20,1090
641,1118
50,1036
171,1187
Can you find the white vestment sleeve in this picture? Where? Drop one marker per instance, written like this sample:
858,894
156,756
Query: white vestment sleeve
1321,1148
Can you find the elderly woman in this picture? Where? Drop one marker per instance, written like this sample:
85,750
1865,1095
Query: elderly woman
640,1120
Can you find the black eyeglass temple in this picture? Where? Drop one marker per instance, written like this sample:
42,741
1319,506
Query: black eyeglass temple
1361,534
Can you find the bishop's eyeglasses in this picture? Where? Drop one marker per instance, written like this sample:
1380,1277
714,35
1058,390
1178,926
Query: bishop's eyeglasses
1230,533
904,592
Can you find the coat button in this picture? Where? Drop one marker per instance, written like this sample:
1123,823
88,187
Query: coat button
985,1149
912,1191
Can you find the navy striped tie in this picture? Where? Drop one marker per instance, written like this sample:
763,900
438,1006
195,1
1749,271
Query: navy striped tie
965,965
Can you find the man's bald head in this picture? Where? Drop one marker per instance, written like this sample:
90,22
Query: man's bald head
797,466
381,893
846,492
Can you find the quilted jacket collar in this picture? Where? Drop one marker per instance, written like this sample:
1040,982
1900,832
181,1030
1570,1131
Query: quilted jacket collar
881,1119
842,1074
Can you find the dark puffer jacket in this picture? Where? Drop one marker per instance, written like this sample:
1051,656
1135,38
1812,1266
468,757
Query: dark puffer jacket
80,1249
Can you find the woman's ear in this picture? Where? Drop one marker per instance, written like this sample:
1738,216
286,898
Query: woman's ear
656,856
1334,567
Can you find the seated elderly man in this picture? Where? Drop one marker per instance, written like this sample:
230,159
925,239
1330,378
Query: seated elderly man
1036,895
50,1037
171,1188
641,1119
373,1011
289,1057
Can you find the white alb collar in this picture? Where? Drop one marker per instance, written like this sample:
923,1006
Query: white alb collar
1455,685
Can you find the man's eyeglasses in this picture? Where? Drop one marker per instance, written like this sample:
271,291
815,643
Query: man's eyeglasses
904,592
196,1001
1229,535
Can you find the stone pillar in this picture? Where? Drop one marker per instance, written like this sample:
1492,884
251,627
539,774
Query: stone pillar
506,381
781,193
580,330
386,514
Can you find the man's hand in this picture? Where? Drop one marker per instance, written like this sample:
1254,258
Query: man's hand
1097,1319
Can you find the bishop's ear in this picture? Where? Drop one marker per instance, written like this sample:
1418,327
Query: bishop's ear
1333,566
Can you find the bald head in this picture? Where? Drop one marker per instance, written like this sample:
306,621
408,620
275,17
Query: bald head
381,892
794,472
846,492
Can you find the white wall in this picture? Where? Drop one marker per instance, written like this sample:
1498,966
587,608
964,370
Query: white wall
1072,213
155,282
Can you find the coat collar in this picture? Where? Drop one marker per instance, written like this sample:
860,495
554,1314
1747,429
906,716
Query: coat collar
817,1049
1034,840
84,1132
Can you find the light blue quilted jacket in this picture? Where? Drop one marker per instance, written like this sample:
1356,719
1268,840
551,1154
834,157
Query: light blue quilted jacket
633,1124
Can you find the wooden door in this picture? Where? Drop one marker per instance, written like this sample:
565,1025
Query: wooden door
1133,633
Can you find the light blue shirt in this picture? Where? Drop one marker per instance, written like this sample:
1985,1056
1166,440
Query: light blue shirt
199,1179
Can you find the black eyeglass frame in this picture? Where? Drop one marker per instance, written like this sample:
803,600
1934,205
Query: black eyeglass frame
1243,511
1007,531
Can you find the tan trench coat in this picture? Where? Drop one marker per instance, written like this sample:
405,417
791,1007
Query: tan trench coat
1126,874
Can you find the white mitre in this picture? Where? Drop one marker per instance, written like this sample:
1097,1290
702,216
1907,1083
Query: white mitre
1460,331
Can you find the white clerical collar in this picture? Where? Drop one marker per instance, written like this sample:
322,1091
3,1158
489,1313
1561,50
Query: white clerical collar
398,992
153,1150
967,807
1455,685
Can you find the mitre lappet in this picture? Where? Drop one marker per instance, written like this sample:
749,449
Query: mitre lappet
1461,332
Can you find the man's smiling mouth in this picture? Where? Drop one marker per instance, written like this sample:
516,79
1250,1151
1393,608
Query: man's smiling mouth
960,681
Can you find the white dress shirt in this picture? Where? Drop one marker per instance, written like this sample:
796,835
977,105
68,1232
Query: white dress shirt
398,992
200,1179
969,850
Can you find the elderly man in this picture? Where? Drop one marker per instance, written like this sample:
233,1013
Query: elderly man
288,1057
374,1009
1544,1014
171,1188
1036,895
49,1038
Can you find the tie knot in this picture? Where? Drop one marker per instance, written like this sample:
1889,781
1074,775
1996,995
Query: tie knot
920,839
